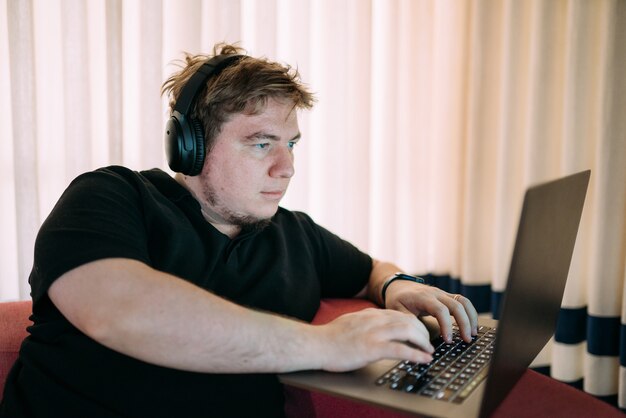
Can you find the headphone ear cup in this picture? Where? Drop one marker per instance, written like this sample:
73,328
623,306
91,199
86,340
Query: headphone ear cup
200,152
184,145
174,147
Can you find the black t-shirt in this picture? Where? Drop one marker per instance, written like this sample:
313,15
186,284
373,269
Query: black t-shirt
147,216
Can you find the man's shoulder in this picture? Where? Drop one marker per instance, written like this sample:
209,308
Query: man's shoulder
112,173
120,171
286,216
119,177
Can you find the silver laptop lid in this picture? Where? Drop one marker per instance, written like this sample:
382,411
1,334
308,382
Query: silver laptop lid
539,268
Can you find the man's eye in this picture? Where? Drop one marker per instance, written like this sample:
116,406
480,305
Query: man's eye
262,145
292,144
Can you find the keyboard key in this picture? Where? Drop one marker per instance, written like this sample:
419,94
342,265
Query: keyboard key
428,392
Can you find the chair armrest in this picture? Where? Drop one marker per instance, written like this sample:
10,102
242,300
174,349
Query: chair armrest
14,319
332,308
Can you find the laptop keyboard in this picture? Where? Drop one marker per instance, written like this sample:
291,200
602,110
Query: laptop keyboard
456,370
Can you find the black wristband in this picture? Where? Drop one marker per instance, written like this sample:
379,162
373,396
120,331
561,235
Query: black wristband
399,276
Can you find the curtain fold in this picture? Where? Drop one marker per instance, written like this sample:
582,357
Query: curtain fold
608,240
481,141
9,287
77,88
511,131
433,116
112,148
24,133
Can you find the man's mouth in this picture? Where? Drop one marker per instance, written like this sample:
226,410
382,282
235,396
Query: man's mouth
273,194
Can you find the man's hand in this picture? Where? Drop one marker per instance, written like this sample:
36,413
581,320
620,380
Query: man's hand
420,299
354,340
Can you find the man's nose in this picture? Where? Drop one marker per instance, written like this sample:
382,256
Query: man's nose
282,165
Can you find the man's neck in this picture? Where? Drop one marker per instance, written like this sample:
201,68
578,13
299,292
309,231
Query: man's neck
230,230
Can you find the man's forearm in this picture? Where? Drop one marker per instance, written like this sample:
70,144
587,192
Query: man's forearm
158,318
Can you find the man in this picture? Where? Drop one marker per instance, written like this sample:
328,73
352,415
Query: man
155,296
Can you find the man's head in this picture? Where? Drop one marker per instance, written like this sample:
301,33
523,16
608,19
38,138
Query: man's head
249,115
208,90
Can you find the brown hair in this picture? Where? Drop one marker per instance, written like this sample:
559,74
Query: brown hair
242,87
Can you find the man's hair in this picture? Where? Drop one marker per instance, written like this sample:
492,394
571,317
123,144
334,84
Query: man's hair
242,87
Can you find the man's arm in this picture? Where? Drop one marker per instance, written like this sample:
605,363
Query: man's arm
164,320
420,299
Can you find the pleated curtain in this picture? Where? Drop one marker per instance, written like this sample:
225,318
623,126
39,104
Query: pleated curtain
433,116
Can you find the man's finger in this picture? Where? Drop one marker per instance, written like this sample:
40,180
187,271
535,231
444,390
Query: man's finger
458,306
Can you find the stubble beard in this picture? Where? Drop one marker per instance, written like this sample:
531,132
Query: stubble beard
245,222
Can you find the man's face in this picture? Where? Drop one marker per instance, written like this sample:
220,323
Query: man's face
247,171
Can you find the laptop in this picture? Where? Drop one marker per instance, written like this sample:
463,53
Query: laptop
539,267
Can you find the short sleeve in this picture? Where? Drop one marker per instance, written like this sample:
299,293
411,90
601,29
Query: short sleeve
98,216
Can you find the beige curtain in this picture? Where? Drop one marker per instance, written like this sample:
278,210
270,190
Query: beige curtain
433,117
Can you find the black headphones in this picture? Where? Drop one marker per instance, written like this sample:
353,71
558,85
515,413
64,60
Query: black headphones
184,135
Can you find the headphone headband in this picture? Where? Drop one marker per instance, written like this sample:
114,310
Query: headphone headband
192,88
